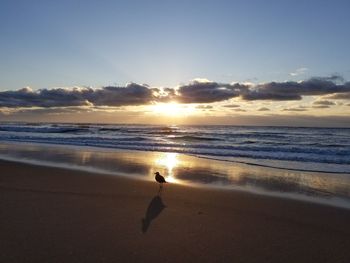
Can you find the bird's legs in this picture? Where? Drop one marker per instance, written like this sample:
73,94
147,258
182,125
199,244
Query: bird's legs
160,189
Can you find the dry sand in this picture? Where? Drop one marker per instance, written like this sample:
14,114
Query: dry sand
58,215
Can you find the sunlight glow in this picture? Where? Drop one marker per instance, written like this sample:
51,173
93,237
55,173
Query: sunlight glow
173,109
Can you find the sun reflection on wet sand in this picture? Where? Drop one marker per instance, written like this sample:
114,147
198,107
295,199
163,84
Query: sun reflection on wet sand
187,170
167,162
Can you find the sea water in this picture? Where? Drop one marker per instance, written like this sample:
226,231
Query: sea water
294,148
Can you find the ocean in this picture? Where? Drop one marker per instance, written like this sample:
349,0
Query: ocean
291,148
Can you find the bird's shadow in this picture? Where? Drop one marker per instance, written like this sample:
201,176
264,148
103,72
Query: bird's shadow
154,209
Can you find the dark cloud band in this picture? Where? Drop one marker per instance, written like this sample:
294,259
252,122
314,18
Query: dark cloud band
194,92
131,94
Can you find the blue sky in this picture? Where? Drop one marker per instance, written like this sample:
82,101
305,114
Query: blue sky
165,43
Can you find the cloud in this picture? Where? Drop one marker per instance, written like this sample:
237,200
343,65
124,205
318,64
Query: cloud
207,92
131,94
291,90
298,72
53,111
294,109
231,106
239,110
204,107
320,106
339,96
324,102
59,97
263,109
197,91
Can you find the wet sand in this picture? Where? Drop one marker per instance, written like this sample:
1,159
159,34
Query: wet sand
60,215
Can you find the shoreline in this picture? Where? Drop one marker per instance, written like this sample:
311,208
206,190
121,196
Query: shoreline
287,165
90,171
187,170
60,215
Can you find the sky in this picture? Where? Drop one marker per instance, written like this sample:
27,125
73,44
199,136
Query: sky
187,62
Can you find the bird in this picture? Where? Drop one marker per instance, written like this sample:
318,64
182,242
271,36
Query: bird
159,178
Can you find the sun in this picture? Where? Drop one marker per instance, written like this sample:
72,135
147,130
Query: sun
173,109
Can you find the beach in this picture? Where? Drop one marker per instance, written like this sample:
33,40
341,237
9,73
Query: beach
61,215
